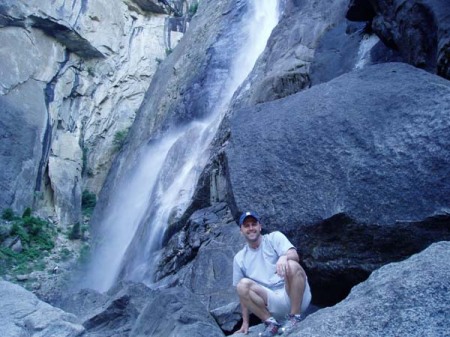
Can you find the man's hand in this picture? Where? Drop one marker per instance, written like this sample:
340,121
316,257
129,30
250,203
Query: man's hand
243,329
282,266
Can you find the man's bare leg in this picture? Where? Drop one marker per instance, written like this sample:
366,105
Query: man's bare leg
295,285
254,297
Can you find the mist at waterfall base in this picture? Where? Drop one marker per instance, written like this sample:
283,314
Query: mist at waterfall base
160,186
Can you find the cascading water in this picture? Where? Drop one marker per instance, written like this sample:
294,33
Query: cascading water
366,45
162,184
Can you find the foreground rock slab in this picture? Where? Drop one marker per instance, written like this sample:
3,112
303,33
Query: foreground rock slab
23,314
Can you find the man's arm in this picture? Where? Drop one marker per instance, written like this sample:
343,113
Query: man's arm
292,255
282,263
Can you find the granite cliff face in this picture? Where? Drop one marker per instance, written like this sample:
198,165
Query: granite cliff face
73,75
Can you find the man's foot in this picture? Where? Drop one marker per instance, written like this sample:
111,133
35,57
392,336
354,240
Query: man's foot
291,323
271,329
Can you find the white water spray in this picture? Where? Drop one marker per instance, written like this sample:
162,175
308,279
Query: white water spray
366,45
162,184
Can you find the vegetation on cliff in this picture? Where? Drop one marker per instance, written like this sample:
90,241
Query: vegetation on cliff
28,239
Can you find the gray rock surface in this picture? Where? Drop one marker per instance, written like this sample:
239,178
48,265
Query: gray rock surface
339,253
372,144
132,309
23,127
200,258
108,314
78,75
179,313
23,314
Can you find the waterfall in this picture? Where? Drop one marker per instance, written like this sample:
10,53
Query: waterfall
162,184
366,45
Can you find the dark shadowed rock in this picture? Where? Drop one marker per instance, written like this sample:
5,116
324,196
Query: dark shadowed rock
340,253
360,10
23,314
175,312
200,258
409,298
152,6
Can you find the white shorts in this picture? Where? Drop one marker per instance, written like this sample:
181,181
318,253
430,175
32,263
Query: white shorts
279,304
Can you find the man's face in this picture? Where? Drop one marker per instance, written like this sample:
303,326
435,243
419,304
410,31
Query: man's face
251,229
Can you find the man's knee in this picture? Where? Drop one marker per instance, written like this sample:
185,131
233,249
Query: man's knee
296,270
243,286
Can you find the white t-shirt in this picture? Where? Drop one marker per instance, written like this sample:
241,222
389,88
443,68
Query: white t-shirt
260,264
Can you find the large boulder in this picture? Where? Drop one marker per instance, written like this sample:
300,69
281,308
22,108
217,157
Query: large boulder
372,144
23,314
346,164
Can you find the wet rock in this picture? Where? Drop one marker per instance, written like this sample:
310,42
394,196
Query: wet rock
284,67
419,30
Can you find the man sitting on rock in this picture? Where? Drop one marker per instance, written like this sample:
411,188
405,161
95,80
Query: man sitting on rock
269,279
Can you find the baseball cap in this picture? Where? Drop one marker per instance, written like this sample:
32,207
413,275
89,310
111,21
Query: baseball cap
247,214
